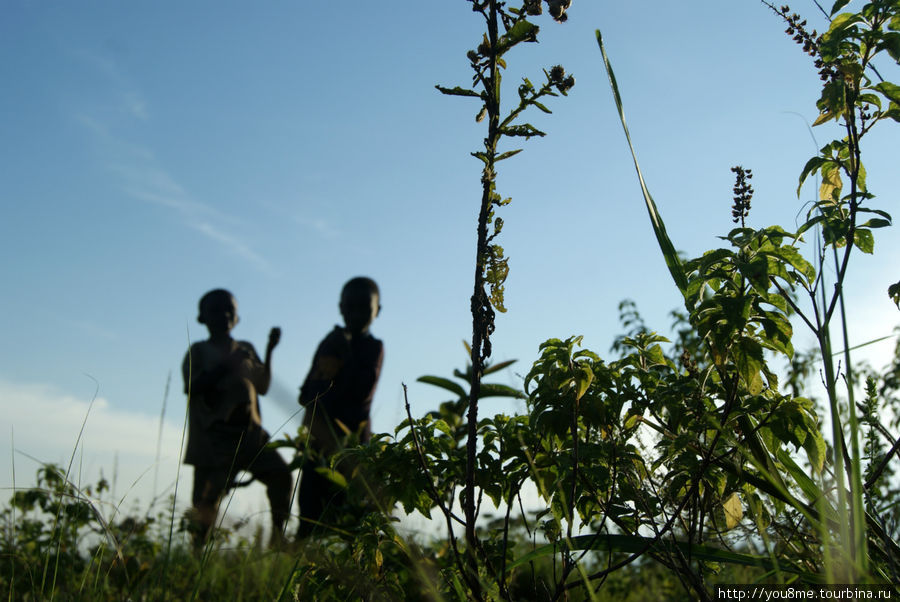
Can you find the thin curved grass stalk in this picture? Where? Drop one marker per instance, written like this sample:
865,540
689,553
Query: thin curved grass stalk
159,434
57,520
168,553
659,228
12,560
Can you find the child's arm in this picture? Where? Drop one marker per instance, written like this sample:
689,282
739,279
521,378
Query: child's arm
265,379
327,364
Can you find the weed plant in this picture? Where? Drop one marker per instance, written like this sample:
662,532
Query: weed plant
662,471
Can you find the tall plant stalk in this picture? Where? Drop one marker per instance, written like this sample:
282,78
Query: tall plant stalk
505,28
482,312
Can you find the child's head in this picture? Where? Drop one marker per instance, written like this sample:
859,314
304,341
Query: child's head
218,311
360,304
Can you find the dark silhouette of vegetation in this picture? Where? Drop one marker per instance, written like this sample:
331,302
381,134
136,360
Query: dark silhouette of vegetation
657,473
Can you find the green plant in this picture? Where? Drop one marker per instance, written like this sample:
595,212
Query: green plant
688,458
506,27
739,300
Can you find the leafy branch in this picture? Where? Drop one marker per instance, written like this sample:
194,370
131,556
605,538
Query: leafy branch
506,28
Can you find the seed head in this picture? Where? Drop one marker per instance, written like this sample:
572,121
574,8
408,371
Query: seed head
558,9
743,192
557,73
533,7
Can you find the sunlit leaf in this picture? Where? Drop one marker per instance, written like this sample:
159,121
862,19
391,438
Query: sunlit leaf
864,240
332,475
838,6
734,511
894,293
444,383
830,189
892,91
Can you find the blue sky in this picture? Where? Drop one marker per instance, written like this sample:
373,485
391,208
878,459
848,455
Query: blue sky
153,151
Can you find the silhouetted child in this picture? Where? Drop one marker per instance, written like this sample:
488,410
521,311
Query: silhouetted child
338,392
223,379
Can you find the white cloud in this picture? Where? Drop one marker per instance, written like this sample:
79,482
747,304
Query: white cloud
43,425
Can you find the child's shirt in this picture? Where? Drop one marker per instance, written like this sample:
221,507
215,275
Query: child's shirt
225,409
342,383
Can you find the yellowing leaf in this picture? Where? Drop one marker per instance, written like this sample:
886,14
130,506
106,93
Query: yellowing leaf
734,511
830,190
583,380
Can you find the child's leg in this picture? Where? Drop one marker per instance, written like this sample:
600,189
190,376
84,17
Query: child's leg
209,486
313,487
270,469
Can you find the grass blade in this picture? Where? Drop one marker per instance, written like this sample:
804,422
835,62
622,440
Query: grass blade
659,228
634,543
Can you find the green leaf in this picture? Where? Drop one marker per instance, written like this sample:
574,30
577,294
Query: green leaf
891,91
442,426
894,293
891,43
842,22
811,167
632,421
838,6
583,379
876,223
893,112
497,390
458,91
810,490
778,333
635,544
522,31
526,130
498,366
507,154
872,99
864,241
795,259
749,361
332,475
444,383
665,244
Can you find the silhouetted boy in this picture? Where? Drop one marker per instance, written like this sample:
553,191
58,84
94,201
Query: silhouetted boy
339,389
223,379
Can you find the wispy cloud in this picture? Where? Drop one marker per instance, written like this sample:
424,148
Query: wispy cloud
236,245
319,226
92,329
123,93
141,176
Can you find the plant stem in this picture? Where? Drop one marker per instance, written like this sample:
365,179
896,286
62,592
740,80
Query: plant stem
482,315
